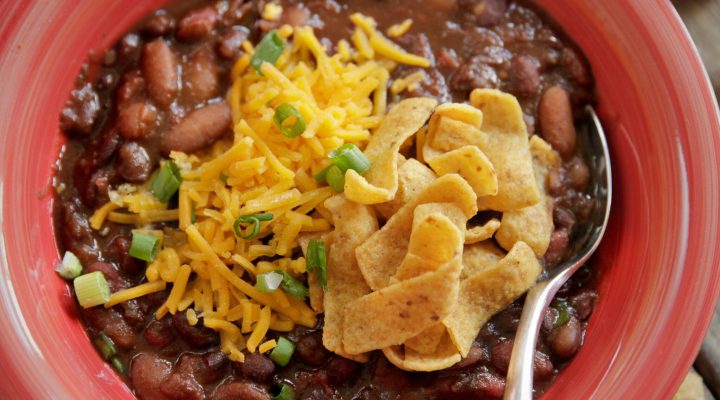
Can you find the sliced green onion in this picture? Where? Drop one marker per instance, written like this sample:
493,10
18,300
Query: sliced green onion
105,346
292,285
286,393
321,177
317,260
70,267
255,220
91,289
166,182
349,156
193,215
118,365
282,353
269,282
563,313
268,50
336,178
285,111
224,177
144,246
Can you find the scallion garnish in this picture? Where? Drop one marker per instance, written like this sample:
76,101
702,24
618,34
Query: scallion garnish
91,289
70,267
286,114
268,50
255,220
321,177
167,181
317,260
282,353
291,285
224,177
118,365
335,178
105,346
349,156
285,393
269,282
144,246
563,313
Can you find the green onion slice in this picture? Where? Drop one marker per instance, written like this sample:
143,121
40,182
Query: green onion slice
563,313
285,113
269,282
292,285
70,267
255,219
286,393
317,260
268,50
167,182
91,289
144,246
336,178
349,156
321,176
282,353
105,346
223,177
118,365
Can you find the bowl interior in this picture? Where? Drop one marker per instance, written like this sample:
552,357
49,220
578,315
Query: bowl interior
659,262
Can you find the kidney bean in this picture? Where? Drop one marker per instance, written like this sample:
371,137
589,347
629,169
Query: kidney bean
112,276
196,336
477,354
486,12
256,367
387,375
132,85
158,333
147,373
566,339
237,9
578,174
205,368
233,390
549,320
134,163
197,24
543,367
160,69
179,386
129,47
112,323
502,351
563,218
341,370
229,44
559,242
524,75
311,350
198,129
81,111
136,120
575,67
478,384
158,25
556,120
584,303
474,74
201,76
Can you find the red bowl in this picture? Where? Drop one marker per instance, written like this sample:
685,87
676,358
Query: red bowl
660,260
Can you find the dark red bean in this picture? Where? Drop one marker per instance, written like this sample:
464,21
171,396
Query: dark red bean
136,120
500,355
486,12
230,43
314,384
234,390
295,15
256,367
201,76
113,324
132,85
310,349
584,303
563,218
476,354
160,69
474,74
549,320
205,368
341,370
114,280
566,339
543,367
575,67
237,9
197,24
159,333
147,373
198,129
478,384
556,120
133,162
129,47
559,242
179,386
578,174
196,336
158,25
524,75
387,375
81,111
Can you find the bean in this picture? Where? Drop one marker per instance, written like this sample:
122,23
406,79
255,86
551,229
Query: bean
486,12
566,339
196,336
198,129
256,367
158,25
578,174
543,368
575,67
234,390
197,24
387,375
201,76
158,333
295,15
136,120
476,354
563,218
129,47
112,323
112,276
81,111
474,74
231,41
311,350
524,75
179,386
500,357
341,370
559,242
160,69
205,368
549,320
584,303
133,163
133,84
478,384
147,373
556,120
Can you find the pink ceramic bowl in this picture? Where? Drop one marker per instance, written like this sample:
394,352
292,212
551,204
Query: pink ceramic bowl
660,260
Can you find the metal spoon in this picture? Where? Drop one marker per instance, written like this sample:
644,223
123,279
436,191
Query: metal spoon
519,384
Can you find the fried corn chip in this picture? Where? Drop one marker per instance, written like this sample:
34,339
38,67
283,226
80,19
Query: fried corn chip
489,291
380,256
445,356
446,134
398,312
380,183
533,225
413,178
480,256
482,232
428,340
508,149
353,224
472,164
315,290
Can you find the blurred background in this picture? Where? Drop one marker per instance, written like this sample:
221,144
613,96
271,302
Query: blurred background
702,18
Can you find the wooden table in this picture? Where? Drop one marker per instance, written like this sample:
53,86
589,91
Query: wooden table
702,18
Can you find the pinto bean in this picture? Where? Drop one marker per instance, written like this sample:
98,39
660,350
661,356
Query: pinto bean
311,350
160,69
201,76
256,367
197,24
566,339
147,373
556,120
234,390
136,120
133,162
524,75
486,12
198,129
